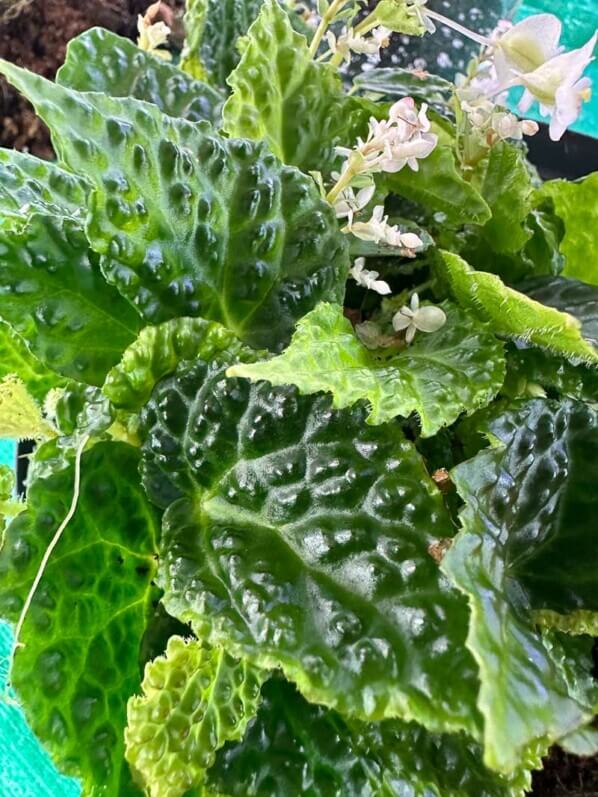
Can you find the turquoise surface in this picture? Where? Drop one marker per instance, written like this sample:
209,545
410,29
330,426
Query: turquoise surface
7,452
580,20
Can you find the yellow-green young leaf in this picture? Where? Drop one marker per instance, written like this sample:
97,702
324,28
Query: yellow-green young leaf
577,205
157,352
190,223
459,368
571,296
15,358
194,21
515,315
281,95
20,415
580,621
399,16
99,60
195,699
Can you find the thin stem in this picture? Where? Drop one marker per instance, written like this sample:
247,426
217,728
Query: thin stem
367,24
49,550
449,23
325,22
344,182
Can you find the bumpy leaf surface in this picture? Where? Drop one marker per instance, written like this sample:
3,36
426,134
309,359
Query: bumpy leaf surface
80,662
53,294
99,60
195,700
281,95
193,224
336,586
438,186
194,22
526,544
516,315
576,204
157,352
458,369
295,748
569,296
529,367
15,358
28,184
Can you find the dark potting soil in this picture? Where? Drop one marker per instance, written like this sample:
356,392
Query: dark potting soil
36,37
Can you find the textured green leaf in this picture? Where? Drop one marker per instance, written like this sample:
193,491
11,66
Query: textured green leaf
213,28
507,188
157,352
281,95
15,358
28,184
99,60
577,205
438,186
53,294
82,635
396,15
196,699
530,368
190,223
581,621
526,544
395,82
337,585
514,314
457,369
295,748
569,296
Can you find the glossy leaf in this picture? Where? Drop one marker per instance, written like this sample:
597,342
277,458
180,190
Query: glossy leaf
337,586
193,224
29,185
82,635
294,747
574,297
98,60
457,369
213,29
195,699
280,95
15,358
397,83
525,545
576,203
157,352
530,368
439,187
514,314
53,294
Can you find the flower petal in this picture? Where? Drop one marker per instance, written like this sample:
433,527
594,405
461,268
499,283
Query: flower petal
430,318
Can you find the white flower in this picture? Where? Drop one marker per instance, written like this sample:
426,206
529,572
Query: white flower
348,203
559,87
369,279
526,46
414,318
350,42
418,7
153,34
378,230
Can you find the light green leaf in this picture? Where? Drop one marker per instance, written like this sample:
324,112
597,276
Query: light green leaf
53,294
577,204
458,369
193,224
514,314
526,544
337,586
15,358
99,60
399,17
569,296
21,417
580,621
29,185
282,96
157,352
213,29
583,742
196,699
80,662
439,187
294,748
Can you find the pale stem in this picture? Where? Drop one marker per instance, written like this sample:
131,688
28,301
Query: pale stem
449,23
344,182
335,7
49,550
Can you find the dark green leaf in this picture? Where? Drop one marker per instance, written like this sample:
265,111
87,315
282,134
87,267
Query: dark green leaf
569,296
99,60
397,83
295,748
53,294
337,586
528,369
193,224
80,662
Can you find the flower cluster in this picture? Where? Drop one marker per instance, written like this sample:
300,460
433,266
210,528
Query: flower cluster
378,230
350,42
153,35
